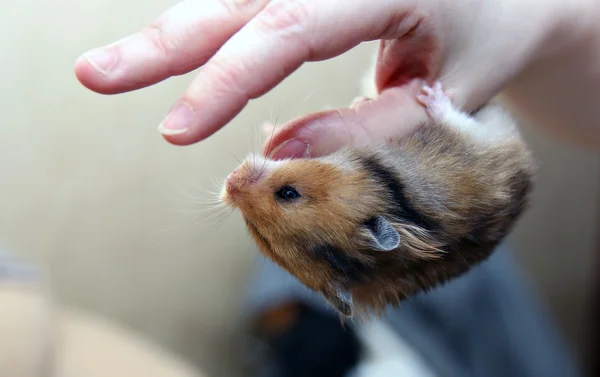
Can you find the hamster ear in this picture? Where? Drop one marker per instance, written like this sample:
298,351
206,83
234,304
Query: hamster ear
383,235
341,299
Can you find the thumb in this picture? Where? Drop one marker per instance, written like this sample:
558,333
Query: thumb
393,114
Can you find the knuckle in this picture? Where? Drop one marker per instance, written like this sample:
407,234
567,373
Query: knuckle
226,78
284,15
235,7
156,35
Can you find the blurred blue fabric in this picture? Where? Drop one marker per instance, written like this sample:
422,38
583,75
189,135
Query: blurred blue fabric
14,269
489,322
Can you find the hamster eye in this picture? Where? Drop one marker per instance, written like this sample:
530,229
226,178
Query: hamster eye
287,193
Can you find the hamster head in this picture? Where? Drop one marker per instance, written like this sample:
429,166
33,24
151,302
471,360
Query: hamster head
325,221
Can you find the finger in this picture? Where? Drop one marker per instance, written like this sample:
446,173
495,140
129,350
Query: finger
415,55
274,44
179,41
392,115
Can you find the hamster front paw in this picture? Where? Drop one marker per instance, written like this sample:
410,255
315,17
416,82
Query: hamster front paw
436,101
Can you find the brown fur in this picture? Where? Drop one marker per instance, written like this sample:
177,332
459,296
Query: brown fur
470,191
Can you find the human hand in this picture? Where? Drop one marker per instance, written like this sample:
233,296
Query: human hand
247,47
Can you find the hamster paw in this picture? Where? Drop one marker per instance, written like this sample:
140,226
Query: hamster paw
436,101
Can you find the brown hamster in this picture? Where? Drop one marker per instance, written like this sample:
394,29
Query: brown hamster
370,226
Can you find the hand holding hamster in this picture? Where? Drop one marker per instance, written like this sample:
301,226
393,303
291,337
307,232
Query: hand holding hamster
477,46
370,226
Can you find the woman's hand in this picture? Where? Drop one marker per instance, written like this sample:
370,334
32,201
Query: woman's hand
247,47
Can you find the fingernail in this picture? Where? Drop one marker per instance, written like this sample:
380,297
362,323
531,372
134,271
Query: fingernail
102,60
292,148
357,101
178,121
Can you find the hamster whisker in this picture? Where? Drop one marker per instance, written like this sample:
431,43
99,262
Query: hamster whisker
254,142
236,158
218,182
223,220
216,219
309,95
218,215
212,196
208,203
207,207
207,197
168,229
183,224
269,144
213,199
205,202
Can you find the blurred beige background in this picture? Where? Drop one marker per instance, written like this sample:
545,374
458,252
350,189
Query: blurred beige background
91,190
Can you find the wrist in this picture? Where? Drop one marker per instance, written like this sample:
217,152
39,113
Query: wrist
502,39
571,24
559,90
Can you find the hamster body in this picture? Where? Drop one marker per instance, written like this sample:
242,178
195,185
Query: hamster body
368,227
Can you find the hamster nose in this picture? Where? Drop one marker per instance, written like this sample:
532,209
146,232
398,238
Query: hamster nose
232,182
242,178
235,181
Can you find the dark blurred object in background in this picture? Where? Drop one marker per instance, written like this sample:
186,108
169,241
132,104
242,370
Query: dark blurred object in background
490,322
304,342
595,315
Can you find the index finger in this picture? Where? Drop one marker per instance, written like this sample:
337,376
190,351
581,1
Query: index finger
179,41
284,35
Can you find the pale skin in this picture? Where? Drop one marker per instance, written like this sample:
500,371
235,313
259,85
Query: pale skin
544,54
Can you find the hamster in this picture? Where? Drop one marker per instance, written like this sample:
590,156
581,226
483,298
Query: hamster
368,227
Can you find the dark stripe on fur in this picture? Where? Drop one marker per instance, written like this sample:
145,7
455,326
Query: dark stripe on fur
403,208
339,260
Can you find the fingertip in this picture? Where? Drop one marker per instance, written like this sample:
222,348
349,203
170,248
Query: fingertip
92,77
291,148
183,126
182,137
312,135
83,72
393,114
178,140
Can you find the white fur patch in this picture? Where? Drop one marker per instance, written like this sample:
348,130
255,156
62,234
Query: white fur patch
257,162
387,354
492,123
